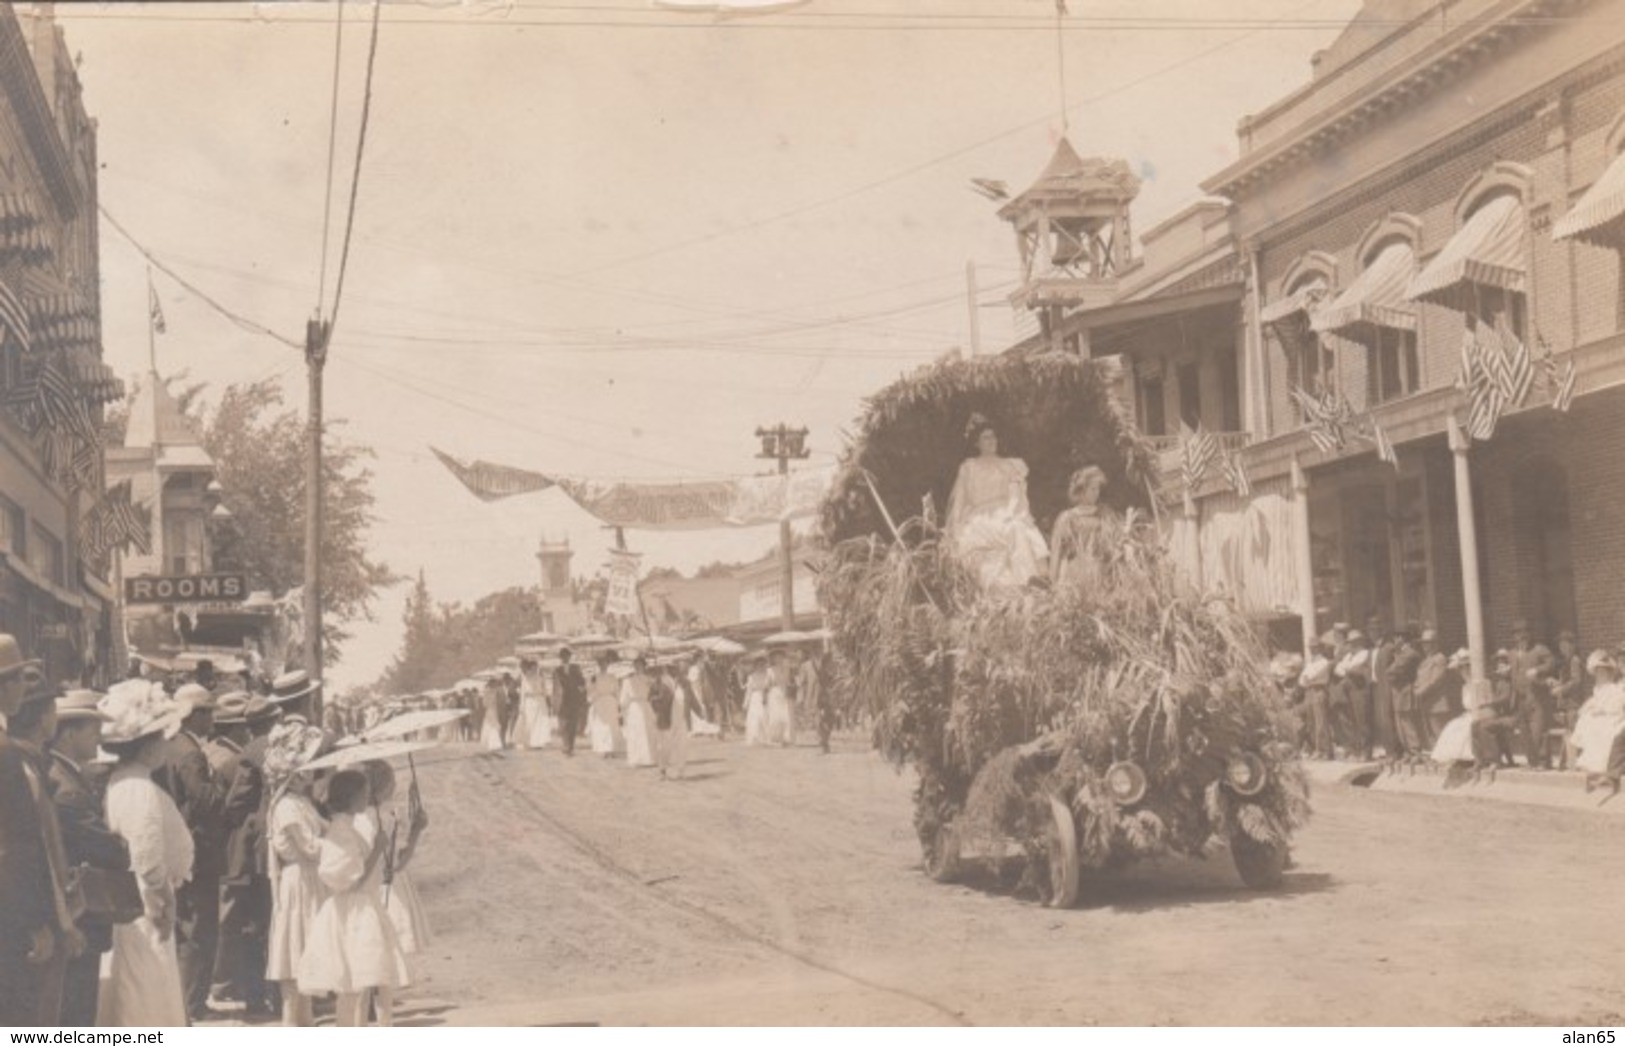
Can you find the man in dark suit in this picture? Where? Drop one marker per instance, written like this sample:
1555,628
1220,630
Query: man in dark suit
86,839
31,940
1532,670
1405,660
200,795
571,687
237,758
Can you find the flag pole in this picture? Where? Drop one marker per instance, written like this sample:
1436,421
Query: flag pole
152,325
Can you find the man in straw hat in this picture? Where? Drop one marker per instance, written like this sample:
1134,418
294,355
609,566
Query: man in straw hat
244,909
35,932
200,795
86,839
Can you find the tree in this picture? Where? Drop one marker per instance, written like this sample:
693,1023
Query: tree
258,447
447,642
414,669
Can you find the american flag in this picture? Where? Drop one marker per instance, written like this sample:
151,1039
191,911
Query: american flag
121,521
1236,474
1324,418
1385,446
1521,368
1492,360
154,309
1200,450
1559,381
13,318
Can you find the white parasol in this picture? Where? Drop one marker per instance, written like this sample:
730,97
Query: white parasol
411,722
720,645
366,752
788,639
591,639
542,639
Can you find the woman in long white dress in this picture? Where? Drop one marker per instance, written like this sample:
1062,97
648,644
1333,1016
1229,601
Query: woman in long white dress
604,714
1454,747
638,716
756,686
990,525
143,987
390,878
781,712
491,724
352,948
1600,721
535,725
293,844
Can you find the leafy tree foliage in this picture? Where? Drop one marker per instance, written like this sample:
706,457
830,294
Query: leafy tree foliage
445,642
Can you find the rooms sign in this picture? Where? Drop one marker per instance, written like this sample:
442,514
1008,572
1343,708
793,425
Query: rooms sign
199,588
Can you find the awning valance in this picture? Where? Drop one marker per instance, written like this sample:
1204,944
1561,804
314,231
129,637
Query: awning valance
1487,251
95,379
1301,301
1597,218
1376,298
17,211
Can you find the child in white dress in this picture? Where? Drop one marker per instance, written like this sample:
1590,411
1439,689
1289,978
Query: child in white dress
352,947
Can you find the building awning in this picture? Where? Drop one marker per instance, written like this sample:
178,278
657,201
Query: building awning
1487,251
95,379
1301,301
1376,298
1597,218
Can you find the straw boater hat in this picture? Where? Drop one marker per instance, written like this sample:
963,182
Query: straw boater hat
290,686
232,709
193,696
79,704
260,709
1460,659
136,708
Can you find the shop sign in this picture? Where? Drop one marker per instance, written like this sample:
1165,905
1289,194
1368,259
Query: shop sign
198,588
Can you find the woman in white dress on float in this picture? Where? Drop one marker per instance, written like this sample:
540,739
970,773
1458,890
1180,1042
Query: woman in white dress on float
294,845
143,985
756,685
990,525
638,716
604,714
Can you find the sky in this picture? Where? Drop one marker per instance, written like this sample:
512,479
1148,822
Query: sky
600,239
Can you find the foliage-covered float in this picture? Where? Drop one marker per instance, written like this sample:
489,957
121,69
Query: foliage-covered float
1093,724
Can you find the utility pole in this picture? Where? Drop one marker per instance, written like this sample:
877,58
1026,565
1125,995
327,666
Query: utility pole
317,333
784,443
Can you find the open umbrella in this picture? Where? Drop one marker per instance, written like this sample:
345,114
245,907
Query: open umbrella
542,639
588,640
411,722
787,639
365,752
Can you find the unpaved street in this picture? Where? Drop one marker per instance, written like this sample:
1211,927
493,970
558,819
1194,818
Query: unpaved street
783,887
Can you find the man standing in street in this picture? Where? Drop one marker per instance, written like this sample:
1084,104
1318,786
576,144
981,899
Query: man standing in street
1531,682
244,920
200,796
86,840
571,687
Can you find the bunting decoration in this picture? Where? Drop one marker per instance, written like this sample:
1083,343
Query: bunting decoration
740,501
1385,446
14,318
1198,452
1235,473
1325,418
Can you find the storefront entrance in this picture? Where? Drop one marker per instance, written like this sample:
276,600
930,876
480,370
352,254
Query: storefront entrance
1368,526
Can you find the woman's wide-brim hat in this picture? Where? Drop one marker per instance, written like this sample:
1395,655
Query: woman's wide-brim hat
1601,659
137,708
291,745
290,686
80,705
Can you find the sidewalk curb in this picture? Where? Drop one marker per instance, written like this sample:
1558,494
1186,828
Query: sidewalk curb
1554,789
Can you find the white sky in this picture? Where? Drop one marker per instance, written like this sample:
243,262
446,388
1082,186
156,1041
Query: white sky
614,250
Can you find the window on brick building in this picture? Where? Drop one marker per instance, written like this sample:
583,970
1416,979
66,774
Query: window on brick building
1502,309
11,527
1393,369
1190,394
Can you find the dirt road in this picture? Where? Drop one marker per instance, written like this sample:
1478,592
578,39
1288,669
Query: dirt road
783,887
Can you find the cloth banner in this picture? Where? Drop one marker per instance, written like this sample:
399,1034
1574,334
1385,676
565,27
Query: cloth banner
742,501
622,598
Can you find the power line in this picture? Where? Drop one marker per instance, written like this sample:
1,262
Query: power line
332,149
252,326
355,177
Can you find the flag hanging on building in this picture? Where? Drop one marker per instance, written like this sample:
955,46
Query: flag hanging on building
1520,370
1235,473
1559,380
1199,449
114,522
1385,446
1325,418
155,310
13,318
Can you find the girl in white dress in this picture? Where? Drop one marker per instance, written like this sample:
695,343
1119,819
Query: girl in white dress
756,685
604,715
294,838
400,896
352,947
491,725
781,716
536,725
143,987
638,716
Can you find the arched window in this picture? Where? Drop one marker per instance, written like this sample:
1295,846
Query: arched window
1482,271
1306,286
1374,312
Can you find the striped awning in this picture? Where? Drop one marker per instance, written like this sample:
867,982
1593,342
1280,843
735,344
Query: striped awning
14,319
1301,301
95,379
1599,217
1376,298
17,212
1487,251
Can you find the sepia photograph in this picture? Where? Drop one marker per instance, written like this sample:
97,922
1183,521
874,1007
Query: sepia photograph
812,513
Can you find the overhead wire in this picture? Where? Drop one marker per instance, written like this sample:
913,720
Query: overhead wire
332,152
355,176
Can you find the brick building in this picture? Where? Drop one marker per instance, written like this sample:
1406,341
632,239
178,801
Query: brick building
1450,166
55,599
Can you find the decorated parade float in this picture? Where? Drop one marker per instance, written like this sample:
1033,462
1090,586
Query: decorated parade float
1085,715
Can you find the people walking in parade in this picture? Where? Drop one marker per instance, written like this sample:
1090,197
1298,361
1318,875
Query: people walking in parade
604,717
571,687
637,716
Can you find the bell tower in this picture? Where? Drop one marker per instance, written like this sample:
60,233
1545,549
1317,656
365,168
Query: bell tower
555,557
1072,231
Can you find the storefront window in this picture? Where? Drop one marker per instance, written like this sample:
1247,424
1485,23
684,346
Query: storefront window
1411,550
45,555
